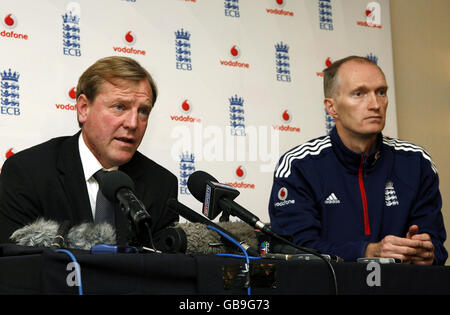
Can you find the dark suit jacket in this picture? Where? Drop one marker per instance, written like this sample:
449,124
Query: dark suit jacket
47,181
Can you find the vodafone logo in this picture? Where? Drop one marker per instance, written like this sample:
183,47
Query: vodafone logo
129,38
286,116
282,193
235,52
282,196
186,107
71,96
240,172
10,21
279,4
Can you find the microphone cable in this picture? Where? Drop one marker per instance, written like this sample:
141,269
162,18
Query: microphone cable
77,268
247,259
333,274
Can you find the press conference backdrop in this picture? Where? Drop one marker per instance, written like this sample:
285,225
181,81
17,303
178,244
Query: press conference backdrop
240,81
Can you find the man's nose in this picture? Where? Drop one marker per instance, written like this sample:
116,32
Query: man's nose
131,119
374,102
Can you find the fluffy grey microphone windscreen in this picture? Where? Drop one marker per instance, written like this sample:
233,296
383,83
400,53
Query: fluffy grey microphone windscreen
39,233
42,233
86,235
205,241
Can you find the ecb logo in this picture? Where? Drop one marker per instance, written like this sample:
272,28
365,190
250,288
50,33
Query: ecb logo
237,116
187,167
325,15
282,62
183,50
71,30
9,86
232,8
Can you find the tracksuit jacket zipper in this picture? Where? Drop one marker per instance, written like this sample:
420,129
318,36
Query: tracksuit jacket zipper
363,196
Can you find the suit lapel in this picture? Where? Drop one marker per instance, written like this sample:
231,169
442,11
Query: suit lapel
71,175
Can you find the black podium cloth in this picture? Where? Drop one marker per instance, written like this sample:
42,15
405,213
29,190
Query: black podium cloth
25,270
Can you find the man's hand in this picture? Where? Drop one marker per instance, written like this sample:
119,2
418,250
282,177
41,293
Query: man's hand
414,248
425,255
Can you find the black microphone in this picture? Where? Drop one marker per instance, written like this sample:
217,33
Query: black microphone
217,197
195,217
117,186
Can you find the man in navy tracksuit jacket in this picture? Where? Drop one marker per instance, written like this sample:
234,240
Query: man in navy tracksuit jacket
379,201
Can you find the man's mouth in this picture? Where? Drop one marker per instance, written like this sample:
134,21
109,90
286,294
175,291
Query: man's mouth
125,139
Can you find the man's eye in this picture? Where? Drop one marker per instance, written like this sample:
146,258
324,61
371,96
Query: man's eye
119,107
382,92
357,93
144,111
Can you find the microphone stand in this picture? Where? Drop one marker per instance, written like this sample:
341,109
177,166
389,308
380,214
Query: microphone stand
141,230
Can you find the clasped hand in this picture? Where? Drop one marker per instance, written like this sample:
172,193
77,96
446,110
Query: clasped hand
413,249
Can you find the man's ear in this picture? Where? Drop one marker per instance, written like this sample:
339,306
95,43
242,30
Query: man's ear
82,108
330,106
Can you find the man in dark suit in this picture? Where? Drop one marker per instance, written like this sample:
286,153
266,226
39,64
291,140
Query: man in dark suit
54,180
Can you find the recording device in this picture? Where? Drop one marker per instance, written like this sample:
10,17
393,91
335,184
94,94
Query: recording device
171,240
48,233
195,217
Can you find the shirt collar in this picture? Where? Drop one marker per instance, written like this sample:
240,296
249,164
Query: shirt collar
90,163
352,160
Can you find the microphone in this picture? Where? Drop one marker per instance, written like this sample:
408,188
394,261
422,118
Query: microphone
117,186
195,217
217,197
46,233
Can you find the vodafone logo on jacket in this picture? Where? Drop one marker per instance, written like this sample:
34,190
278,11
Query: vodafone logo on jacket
282,196
282,193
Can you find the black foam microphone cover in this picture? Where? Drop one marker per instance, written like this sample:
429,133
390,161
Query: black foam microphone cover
197,184
111,182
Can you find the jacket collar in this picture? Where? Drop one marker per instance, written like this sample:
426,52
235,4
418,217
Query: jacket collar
352,160
73,180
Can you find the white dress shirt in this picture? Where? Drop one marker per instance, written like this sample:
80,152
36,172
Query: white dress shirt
90,166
